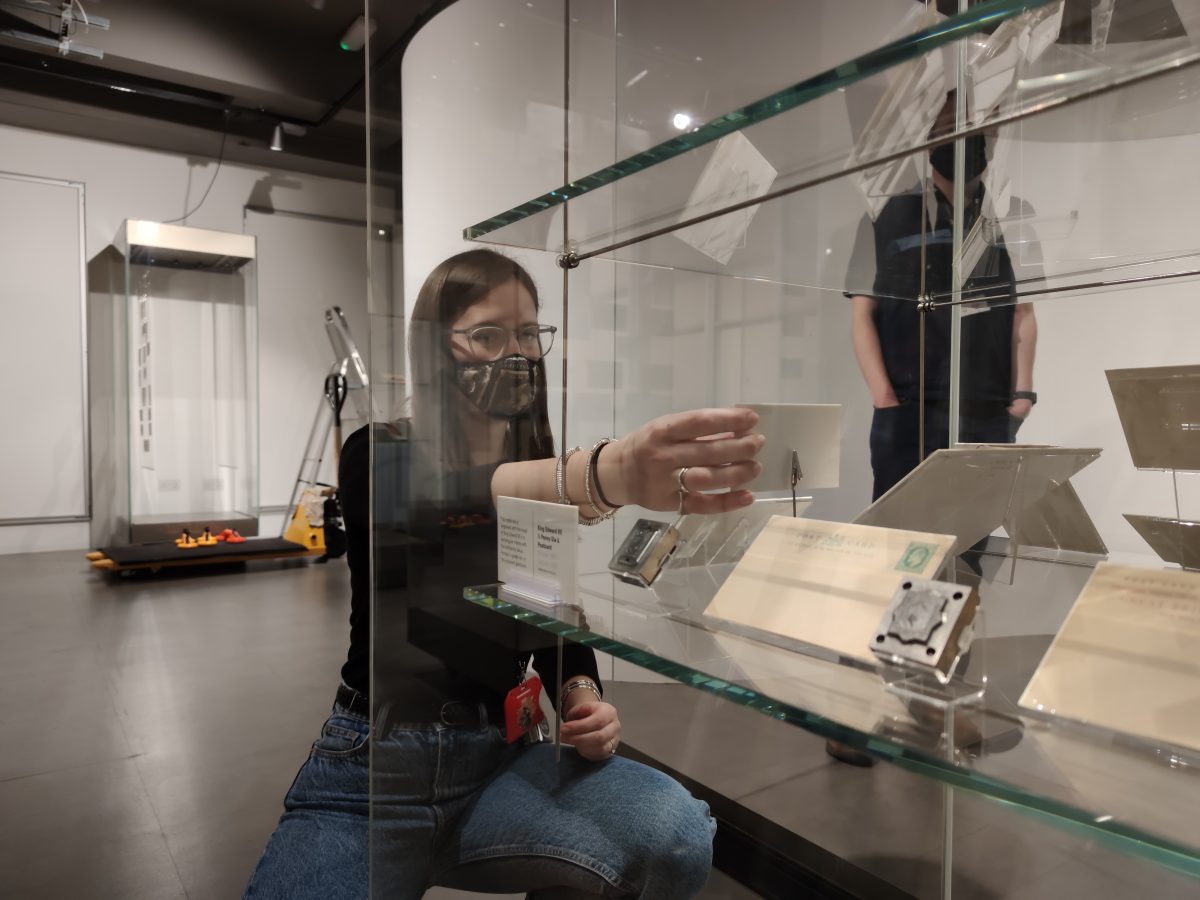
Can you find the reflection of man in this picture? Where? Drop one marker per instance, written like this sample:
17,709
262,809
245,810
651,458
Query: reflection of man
998,336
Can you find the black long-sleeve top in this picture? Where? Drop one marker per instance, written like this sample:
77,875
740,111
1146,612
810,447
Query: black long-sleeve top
435,533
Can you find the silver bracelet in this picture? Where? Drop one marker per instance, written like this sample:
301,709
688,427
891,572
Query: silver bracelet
560,476
588,477
584,683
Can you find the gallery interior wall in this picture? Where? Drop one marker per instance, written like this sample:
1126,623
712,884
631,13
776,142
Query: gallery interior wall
123,182
41,341
1120,154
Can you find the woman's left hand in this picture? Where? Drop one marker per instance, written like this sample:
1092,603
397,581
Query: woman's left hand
593,729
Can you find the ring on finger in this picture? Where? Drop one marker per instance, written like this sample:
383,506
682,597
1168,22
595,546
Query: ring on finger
679,476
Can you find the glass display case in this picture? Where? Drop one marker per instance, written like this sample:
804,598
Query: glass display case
173,355
967,227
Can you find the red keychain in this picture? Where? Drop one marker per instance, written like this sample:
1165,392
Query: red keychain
523,709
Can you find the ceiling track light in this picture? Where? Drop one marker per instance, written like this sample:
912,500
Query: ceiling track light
356,35
287,128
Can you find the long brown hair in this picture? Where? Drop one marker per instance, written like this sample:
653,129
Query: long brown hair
450,289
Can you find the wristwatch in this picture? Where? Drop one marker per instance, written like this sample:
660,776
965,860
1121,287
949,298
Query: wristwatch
1031,396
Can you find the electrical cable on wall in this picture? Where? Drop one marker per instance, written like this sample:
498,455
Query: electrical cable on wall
220,159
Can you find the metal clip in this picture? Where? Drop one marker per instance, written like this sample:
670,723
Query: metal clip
797,476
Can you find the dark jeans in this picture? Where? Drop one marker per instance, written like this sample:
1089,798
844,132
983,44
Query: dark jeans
895,438
460,807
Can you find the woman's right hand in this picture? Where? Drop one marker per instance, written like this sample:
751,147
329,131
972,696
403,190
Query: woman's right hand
717,446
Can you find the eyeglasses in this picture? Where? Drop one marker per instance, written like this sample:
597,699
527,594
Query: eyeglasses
488,342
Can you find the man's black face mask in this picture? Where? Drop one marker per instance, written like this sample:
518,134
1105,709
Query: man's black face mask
942,158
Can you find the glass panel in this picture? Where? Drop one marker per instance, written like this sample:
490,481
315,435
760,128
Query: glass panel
1093,779
1062,196
432,670
865,110
837,294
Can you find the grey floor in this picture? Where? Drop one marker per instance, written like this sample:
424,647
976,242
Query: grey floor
150,727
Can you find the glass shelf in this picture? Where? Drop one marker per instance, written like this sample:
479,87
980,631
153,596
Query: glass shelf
837,78
781,172
1130,793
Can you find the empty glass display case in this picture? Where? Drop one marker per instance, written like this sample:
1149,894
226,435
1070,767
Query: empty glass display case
967,228
174,362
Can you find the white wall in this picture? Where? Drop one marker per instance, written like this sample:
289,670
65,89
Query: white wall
1127,166
42,472
123,182
306,265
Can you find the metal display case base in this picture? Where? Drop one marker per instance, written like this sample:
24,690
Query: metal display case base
148,529
165,555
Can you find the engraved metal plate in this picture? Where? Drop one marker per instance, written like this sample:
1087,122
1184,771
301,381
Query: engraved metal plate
645,551
917,616
927,624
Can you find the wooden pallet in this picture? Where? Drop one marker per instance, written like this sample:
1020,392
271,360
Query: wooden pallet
165,555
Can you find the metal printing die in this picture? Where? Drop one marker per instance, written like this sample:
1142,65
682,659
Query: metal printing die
927,624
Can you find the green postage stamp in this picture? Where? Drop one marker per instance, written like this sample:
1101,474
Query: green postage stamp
916,557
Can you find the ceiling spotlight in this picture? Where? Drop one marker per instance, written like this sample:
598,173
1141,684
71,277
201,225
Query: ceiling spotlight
277,138
355,37
681,121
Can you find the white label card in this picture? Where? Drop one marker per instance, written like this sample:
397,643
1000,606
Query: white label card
537,548
1125,658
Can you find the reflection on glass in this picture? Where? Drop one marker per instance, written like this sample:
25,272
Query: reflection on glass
904,349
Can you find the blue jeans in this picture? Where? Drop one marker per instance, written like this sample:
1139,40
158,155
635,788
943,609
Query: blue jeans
460,807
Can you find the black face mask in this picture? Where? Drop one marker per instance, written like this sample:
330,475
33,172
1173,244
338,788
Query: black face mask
975,155
503,388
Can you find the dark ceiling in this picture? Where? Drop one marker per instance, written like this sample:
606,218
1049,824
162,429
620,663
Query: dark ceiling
205,77
189,75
